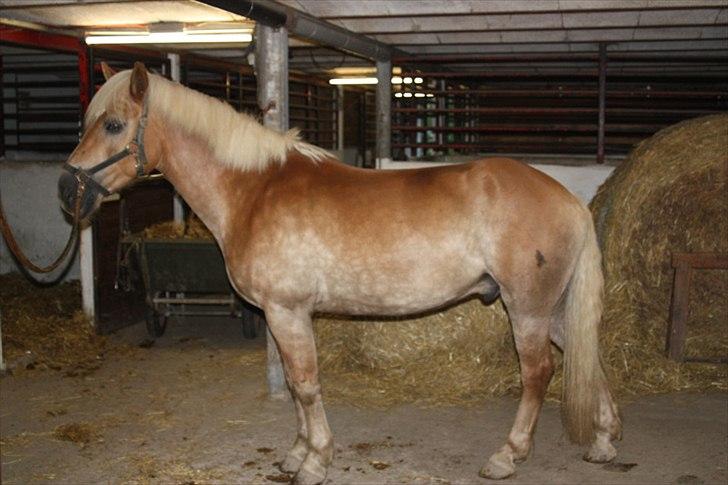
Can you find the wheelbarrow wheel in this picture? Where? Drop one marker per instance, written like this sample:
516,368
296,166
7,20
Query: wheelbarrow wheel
249,324
156,324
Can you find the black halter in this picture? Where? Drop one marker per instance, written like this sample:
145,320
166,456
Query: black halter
135,147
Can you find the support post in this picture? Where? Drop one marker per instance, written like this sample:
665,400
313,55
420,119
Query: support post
384,112
602,101
178,205
271,72
86,242
340,120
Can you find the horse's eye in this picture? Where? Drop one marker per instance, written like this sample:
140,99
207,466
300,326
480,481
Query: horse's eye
113,126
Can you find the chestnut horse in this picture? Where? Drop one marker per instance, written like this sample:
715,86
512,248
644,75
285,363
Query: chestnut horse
302,233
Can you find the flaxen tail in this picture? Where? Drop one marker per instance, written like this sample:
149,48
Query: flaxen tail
583,373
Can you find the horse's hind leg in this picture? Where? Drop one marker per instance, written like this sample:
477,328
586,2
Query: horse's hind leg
531,335
313,448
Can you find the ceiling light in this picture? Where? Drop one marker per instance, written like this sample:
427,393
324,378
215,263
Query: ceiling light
353,80
397,95
407,80
396,79
419,95
169,38
418,80
407,95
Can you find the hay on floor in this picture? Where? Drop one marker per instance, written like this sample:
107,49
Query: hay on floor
45,327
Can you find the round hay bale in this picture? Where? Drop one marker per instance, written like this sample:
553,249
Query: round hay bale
668,196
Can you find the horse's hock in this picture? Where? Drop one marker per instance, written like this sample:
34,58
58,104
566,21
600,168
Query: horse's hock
668,196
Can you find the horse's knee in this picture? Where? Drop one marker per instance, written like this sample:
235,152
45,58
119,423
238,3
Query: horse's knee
306,391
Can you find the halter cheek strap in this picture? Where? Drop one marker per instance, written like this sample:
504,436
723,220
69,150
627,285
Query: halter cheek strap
135,147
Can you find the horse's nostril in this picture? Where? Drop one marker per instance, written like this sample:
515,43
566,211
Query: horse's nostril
67,189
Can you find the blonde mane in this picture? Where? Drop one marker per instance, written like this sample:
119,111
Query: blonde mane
237,139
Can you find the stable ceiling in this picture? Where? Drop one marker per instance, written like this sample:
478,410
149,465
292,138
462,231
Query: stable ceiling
434,27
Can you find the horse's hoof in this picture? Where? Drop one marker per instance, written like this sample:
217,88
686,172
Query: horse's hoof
304,477
600,453
291,464
499,466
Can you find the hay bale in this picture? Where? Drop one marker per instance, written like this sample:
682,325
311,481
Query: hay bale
668,195
453,356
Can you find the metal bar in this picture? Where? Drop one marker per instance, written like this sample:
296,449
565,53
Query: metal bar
556,57
498,128
562,73
580,93
602,99
195,301
384,112
306,26
17,35
559,111
271,66
85,86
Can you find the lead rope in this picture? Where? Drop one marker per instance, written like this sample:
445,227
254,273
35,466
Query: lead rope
15,247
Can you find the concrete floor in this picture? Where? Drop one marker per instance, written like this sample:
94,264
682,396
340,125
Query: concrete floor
192,409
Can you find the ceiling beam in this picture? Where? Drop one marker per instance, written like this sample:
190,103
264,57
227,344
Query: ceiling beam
306,26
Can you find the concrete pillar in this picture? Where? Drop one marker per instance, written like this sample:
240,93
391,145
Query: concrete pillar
271,71
384,112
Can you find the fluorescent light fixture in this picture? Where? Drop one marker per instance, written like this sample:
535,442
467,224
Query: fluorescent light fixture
338,81
396,79
418,80
169,38
407,80
397,95
407,95
430,95
419,95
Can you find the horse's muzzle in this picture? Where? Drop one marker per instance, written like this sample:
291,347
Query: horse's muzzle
68,191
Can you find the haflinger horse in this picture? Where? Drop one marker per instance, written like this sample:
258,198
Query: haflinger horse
303,233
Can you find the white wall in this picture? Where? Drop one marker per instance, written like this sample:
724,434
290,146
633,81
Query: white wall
29,194
582,181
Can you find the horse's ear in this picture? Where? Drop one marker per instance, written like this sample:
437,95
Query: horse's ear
107,70
139,82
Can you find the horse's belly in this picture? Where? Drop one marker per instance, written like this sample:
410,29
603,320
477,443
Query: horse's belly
395,293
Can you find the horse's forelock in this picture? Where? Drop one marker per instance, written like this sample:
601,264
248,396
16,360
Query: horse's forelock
109,95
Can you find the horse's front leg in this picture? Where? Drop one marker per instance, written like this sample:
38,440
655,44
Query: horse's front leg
312,452
531,336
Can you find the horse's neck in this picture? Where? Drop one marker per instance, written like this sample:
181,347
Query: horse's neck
211,189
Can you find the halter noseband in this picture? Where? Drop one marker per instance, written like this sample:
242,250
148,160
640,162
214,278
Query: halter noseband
135,147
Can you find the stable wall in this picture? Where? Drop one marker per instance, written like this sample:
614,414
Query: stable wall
29,197
582,180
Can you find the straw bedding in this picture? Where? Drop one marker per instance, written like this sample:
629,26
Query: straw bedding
44,327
